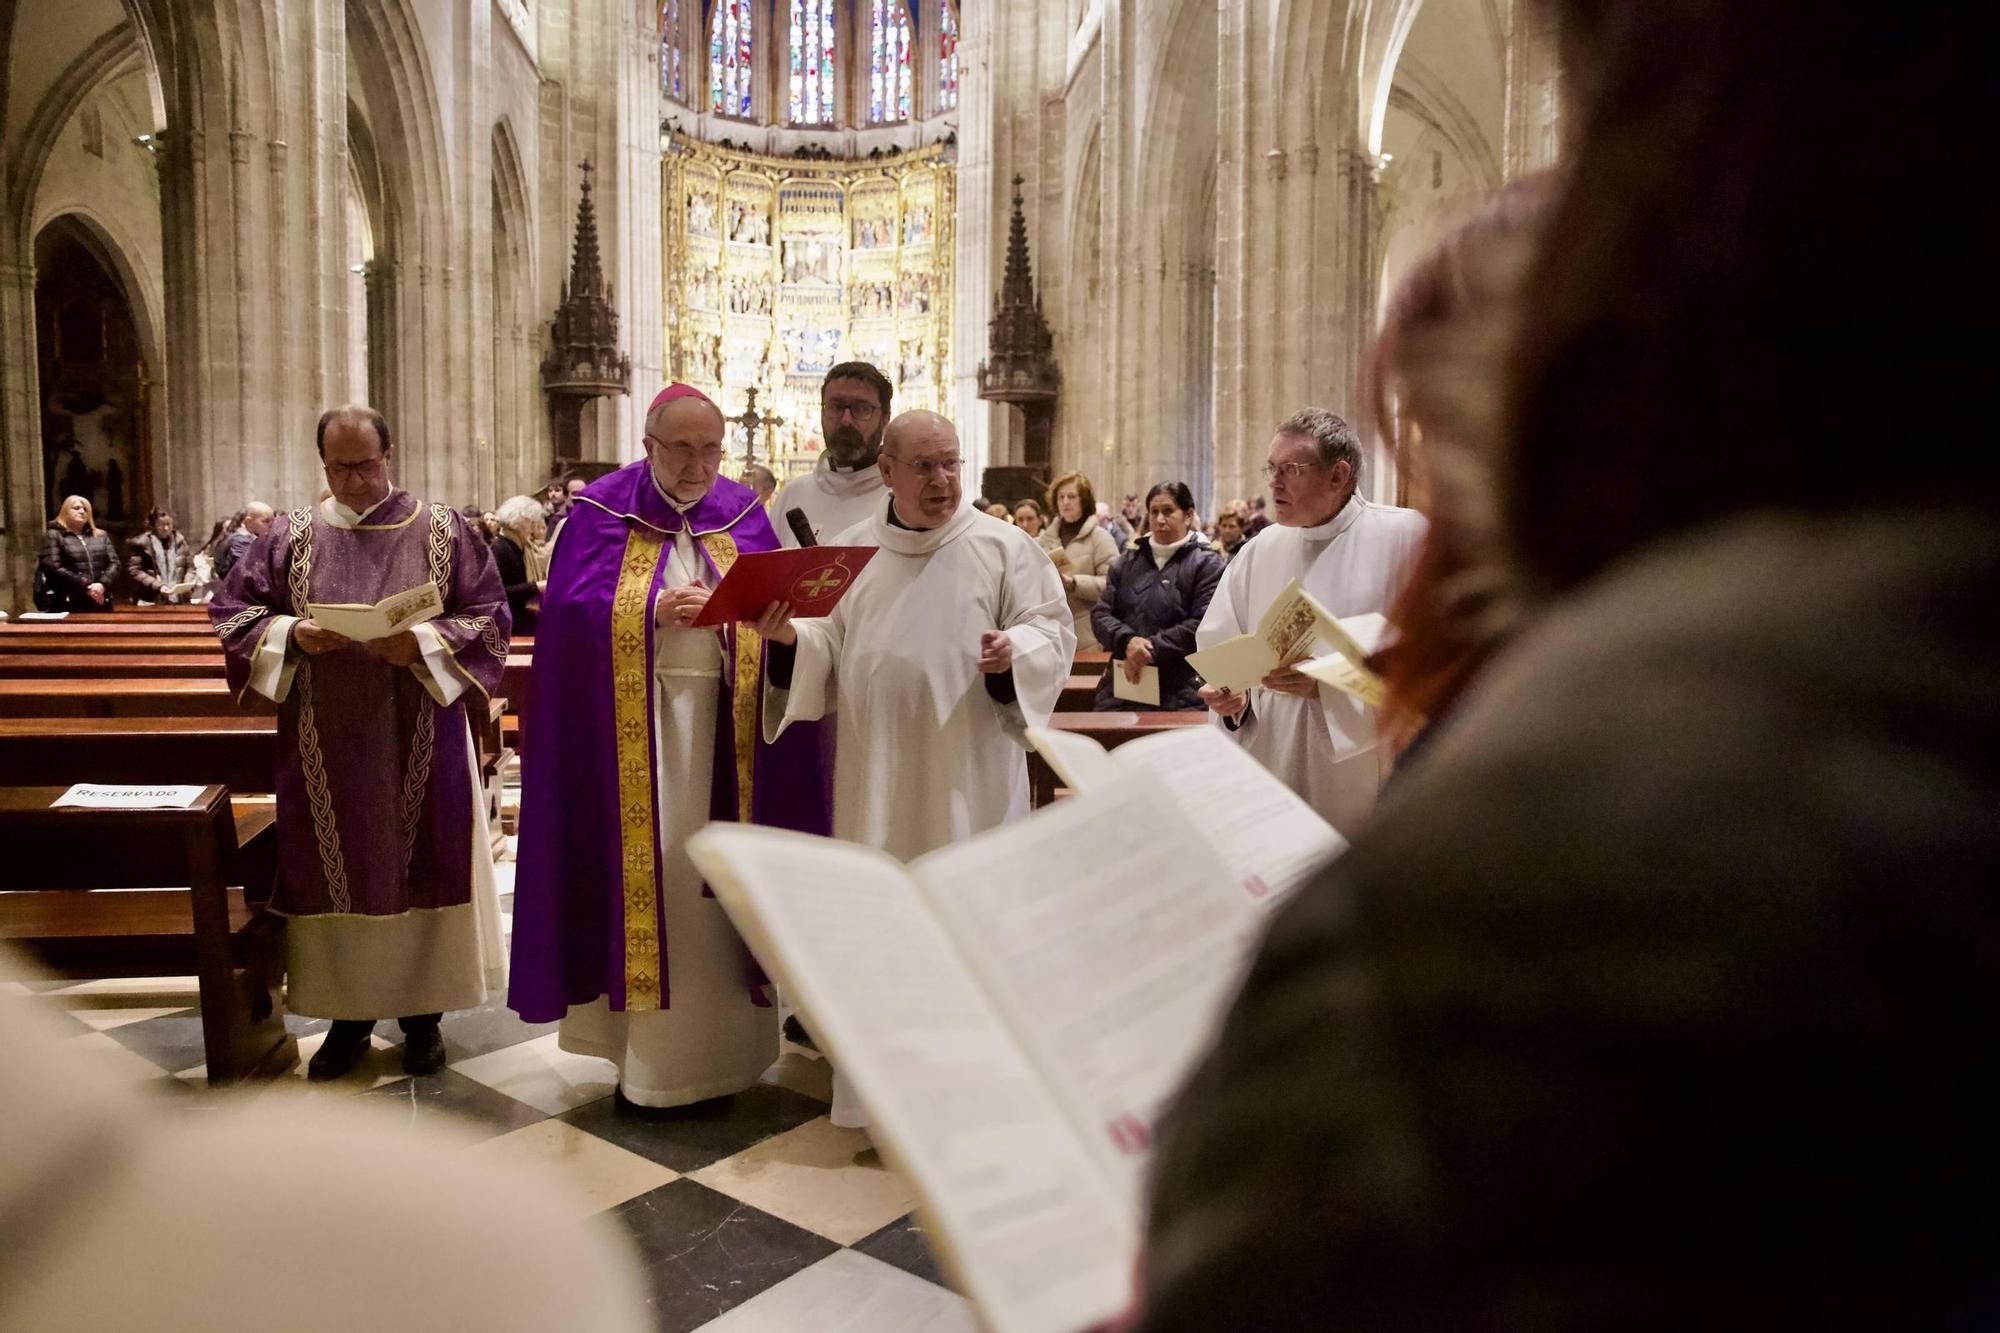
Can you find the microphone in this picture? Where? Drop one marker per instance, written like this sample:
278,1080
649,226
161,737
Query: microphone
800,528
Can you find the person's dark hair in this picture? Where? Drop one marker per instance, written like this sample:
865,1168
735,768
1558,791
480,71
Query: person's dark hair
867,374
1182,496
1740,246
1330,434
155,514
353,413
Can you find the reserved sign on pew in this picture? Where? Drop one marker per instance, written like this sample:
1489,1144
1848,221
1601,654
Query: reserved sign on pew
95,796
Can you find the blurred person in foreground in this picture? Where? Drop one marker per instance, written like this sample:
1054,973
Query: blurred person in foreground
1658,996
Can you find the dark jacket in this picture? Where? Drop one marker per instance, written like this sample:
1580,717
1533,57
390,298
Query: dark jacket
71,564
1660,994
142,570
520,588
1164,606
232,549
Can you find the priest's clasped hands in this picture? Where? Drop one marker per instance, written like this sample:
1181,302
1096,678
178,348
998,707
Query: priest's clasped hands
678,607
397,650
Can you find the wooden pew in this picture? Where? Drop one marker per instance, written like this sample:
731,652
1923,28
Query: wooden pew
160,697
109,627
214,928
102,666
1091,663
1079,694
235,752
1110,730
119,642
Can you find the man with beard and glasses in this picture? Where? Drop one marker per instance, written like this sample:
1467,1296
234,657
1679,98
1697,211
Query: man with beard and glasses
846,487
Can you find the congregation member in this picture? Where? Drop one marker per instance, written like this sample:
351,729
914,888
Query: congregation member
386,862
158,566
1654,996
78,568
1229,536
762,482
845,487
952,641
1083,545
1353,557
516,550
656,734
1028,517
255,521
1154,599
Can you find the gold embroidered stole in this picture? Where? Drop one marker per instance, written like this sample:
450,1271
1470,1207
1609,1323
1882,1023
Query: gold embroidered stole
748,677
638,822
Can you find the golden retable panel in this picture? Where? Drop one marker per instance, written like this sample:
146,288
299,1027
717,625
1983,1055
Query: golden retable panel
778,268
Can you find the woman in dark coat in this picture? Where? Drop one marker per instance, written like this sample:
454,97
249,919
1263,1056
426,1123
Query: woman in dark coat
78,564
1154,597
515,549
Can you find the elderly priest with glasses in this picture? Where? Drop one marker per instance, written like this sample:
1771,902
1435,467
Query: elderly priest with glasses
644,729
1353,557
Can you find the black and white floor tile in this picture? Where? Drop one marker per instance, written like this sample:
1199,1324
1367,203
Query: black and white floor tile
752,1214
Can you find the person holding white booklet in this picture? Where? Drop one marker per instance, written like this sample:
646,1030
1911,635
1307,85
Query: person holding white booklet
1353,557
1154,599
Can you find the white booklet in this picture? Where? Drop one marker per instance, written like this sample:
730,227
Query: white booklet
1145,690
1016,1036
1294,631
390,616
96,796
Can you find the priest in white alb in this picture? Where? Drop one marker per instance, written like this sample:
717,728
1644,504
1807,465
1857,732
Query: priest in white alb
953,641
1353,557
845,487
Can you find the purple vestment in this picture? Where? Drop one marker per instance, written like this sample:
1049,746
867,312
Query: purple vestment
375,803
589,843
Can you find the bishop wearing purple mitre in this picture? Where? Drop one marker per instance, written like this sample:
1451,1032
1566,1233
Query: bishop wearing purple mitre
385,859
652,730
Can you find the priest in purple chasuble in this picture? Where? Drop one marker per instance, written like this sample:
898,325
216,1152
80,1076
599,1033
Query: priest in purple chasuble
386,863
652,731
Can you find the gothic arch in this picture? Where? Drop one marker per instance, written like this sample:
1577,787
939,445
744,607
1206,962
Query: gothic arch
514,325
109,57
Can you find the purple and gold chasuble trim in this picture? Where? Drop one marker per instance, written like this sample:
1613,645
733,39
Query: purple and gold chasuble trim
631,609
312,757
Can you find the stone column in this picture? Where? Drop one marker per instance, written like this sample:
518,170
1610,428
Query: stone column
635,249
20,424
981,214
1534,90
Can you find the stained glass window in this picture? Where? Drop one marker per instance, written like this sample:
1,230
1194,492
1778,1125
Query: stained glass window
670,50
891,61
947,56
812,62
729,55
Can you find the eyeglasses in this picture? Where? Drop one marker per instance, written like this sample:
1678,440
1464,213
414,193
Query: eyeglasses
366,469
1289,471
929,467
680,450
860,410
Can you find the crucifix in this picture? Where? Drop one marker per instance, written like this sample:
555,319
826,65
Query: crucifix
752,421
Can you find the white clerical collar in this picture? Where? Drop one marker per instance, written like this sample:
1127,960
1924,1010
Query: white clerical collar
923,541
842,482
343,517
1349,515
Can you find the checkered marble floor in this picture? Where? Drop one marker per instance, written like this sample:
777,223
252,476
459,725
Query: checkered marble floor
751,1214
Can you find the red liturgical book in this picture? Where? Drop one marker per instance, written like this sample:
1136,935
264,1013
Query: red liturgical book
811,578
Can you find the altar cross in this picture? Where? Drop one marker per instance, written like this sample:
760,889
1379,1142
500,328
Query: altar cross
751,420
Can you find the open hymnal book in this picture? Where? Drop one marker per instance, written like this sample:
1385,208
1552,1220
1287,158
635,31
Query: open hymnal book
1294,631
1014,1030
392,615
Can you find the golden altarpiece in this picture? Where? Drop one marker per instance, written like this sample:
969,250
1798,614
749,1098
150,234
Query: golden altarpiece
778,268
